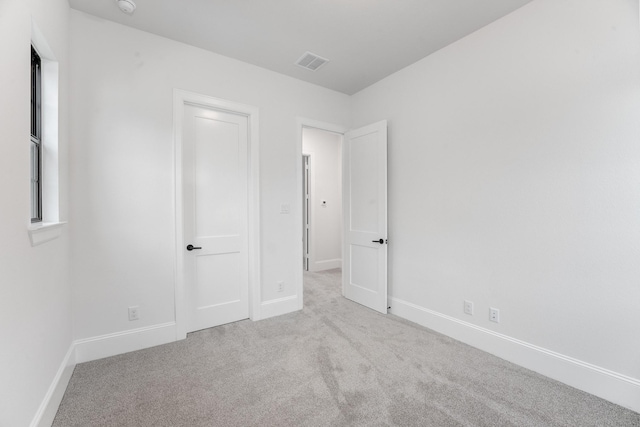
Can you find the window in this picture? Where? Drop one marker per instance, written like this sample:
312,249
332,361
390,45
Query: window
36,137
44,224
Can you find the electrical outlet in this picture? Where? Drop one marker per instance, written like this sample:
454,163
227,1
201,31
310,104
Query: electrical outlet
134,313
494,315
468,307
280,286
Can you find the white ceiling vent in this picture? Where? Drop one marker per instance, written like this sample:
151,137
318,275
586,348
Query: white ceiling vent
311,61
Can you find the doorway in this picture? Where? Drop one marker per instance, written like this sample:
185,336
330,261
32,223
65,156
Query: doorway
363,227
322,199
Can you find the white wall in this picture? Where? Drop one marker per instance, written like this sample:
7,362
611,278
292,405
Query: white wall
514,181
123,166
325,149
35,296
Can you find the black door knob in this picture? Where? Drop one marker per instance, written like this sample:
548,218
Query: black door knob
191,247
381,241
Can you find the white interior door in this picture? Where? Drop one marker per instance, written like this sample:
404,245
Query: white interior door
364,189
215,215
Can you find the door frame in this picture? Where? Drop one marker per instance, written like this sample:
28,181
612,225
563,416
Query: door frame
302,123
309,238
180,98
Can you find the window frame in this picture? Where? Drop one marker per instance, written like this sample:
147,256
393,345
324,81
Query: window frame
36,137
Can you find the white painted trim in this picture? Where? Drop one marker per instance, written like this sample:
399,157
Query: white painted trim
327,264
279,306
180,98
316,124
306,212
311,210
88,349
49,406
44,232
180,314
609,385
301,123
102,346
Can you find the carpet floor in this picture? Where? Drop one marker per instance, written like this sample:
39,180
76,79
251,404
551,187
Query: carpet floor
335,363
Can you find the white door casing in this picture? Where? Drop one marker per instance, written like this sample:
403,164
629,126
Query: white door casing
306,211
364,186
216,210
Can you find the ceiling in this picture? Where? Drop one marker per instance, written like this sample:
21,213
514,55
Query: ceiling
364,40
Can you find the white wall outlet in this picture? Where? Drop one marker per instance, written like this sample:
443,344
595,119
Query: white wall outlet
285,208
494,315
468,307
134,313
280,286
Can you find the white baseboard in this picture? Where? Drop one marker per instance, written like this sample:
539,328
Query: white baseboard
123,342
49,405
601,382
327,264
277,307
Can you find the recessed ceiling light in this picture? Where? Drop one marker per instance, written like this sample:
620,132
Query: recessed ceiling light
127,6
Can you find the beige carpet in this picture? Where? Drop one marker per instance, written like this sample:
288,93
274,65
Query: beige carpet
333,364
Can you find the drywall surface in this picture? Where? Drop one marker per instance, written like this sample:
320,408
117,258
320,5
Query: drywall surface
514,179
35,296
325,150
123,167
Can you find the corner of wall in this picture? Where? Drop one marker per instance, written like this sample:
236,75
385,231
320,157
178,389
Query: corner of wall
49,406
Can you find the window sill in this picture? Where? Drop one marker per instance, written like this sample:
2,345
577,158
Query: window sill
44,232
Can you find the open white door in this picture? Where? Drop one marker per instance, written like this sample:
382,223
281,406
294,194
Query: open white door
364,192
